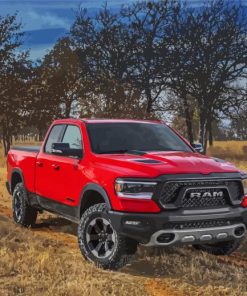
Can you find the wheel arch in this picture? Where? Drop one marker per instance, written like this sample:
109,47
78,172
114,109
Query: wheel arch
16,177
93,194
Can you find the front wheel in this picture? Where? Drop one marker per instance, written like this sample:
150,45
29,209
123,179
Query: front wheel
100,243
221,248
23,213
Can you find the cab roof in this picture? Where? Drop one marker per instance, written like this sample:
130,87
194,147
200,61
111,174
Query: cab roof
99,120
102,120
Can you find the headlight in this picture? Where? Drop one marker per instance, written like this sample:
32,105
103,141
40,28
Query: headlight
245,186
134,189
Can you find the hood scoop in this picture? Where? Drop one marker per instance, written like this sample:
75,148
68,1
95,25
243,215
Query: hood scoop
148,161
219,160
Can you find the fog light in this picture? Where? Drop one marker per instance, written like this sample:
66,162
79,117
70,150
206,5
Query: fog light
132,223
239,231
244,202
165,238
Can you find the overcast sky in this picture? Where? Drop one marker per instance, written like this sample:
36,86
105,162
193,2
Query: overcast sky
45,21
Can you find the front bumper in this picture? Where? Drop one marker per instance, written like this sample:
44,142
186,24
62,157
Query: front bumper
197,235
147,228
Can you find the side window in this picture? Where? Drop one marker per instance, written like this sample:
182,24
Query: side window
72,136
54,136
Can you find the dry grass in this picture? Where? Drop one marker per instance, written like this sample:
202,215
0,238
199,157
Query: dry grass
34,264
234,151
47,261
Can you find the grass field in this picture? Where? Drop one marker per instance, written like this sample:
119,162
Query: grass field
46,260
234,151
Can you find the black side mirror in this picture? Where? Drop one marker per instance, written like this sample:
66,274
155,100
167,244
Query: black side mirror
198,147
63,149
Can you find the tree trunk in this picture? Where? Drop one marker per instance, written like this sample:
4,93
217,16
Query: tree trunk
8,144
188,120
203,131
68,108
149,101
40,136
6,141
4,137
5,148
210,133
205,144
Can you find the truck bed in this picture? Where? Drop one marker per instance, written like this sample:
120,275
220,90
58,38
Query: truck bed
23,160
27,148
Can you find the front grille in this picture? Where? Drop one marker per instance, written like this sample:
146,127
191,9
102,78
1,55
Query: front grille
171,190
200,224
207,198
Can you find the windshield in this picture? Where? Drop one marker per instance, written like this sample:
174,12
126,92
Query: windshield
123,137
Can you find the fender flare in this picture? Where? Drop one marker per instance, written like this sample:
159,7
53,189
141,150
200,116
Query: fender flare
95,187
19,172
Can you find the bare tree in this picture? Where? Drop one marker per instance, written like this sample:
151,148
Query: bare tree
147,23
210,54
103,46
41,105
141,61
121,53
14,76
61,74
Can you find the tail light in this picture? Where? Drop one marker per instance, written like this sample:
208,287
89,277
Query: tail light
244,202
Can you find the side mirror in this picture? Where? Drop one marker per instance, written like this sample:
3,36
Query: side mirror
63,149
198,147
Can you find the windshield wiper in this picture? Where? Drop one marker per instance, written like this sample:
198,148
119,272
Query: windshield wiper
135,152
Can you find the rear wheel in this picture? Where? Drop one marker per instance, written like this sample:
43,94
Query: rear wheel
221,248
23,213
100,243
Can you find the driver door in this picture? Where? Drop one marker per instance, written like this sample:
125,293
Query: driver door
59,177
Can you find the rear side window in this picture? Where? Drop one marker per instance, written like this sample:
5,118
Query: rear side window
54,136
72,136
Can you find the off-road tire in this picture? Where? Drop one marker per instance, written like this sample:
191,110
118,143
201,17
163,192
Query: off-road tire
24,214
123,248
221,248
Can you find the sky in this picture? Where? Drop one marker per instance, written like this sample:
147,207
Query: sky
44,21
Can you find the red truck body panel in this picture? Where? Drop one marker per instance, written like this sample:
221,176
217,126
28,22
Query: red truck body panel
66,183
26,162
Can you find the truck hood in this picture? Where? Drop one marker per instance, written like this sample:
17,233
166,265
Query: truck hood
154,164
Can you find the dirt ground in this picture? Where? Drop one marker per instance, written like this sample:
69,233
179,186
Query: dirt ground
46,261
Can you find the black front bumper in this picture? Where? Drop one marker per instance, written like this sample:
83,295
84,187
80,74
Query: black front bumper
142,227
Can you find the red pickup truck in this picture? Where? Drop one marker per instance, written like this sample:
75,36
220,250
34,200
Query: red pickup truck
129,182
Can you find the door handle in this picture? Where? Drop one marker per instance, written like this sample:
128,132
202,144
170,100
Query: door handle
39,163
56,167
